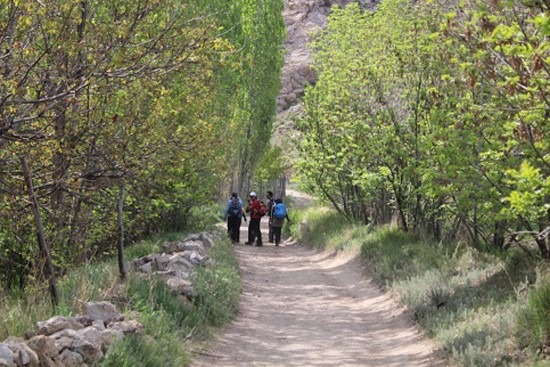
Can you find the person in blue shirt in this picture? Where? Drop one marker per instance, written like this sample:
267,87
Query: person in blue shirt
234,214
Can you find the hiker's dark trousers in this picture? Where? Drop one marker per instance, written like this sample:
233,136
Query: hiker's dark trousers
254,231
234,229
277,234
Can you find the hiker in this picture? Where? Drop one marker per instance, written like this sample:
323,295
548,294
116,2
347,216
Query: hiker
234,214
278,215
270,204
257,210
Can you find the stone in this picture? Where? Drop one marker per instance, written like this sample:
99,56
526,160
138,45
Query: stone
180,263
57,323
207,239
89,351
181,286
103,311
127,327
109,336
194,246
44,346
6,356
92,335
146,268
27,357
64,342
23,355
99,325
70,358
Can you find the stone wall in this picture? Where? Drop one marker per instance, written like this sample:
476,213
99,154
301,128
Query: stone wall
83,340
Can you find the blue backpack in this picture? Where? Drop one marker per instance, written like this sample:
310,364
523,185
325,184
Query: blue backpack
279,211
235,208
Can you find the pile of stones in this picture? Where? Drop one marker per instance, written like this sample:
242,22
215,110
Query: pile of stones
83,340
69,341
178,261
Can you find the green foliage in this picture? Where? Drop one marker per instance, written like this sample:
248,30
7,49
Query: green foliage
433,114
163,350
219,287
168,320
534,319
162,98
468,301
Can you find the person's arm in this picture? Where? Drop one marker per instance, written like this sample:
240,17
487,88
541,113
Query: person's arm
243,211
227,210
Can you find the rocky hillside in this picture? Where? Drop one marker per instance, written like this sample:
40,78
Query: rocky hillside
302,19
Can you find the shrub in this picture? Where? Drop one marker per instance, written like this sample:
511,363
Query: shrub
534,319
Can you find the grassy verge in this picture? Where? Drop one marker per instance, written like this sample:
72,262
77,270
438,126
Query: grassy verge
483,309
169,321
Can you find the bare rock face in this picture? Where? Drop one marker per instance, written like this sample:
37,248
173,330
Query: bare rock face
303,18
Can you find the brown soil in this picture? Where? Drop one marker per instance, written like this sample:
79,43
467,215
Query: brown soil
302,307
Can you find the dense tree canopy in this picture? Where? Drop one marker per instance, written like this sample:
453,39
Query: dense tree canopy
435,114
151,102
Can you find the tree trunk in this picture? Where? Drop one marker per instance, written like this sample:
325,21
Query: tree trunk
120,209
44,250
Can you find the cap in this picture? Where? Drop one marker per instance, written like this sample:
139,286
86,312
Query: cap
252,193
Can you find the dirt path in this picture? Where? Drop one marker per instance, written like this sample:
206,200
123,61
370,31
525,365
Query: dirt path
304,308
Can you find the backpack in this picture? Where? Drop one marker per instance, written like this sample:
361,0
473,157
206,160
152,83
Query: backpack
279,212
235,208
263,209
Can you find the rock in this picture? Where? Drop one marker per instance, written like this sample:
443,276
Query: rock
181,286
146,268
90,352
194,245
99,325
103,311
57,323
44,346
193,257
85,321
126,327
64,342
23,355
92,335
180,263
50,362
207,239
27,357
6,356
109,336
70,358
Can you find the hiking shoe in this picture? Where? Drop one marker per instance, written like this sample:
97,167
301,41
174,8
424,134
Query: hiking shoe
259,244
248,243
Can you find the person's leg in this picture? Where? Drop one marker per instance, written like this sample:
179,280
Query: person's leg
270,232
251,233
257,232
237,230
277,235
235,224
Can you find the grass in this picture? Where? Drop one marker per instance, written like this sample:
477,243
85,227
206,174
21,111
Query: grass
169,321
483,309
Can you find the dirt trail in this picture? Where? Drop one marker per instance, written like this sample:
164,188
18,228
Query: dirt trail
301,307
